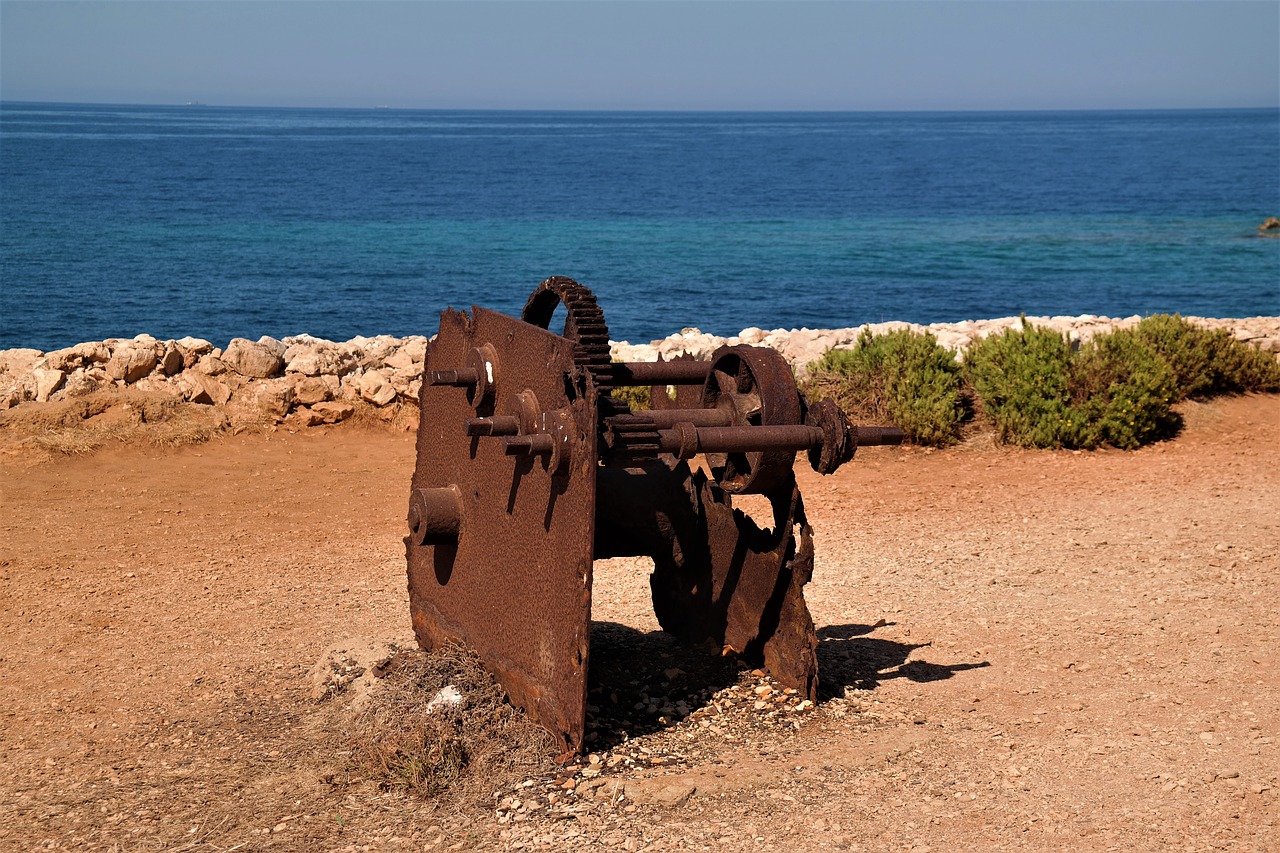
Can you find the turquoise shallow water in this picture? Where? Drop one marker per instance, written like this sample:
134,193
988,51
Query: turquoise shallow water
242,222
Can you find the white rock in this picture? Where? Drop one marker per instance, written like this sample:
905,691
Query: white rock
402,381
202,388
272,344
350,385
400,361
194,347
290,340
253,359
954,341
157,384
623,351
274,396
309,390
172,361
17,392
376,388
334,411
47,381
691,342
416,346
84,381
446,698
320,358
374,351
18,361
80,355
210,365
132,362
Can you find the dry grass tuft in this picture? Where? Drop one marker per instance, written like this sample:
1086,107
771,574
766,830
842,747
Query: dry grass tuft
398,416
83,424
69,441
464,752
190,425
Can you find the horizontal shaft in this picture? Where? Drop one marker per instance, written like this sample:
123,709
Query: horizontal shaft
667,418
659,372
869,436
746,439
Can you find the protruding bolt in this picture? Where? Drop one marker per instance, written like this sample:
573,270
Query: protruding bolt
463,378
435,515
496,425
527,445
482,361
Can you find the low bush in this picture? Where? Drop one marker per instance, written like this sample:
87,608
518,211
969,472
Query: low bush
1208,362
1039,392
1120,393
1036,389
903,377
1020,378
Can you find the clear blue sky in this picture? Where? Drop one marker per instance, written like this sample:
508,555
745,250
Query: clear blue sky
647,54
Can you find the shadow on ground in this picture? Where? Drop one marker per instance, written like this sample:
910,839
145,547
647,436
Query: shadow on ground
849,659
636,679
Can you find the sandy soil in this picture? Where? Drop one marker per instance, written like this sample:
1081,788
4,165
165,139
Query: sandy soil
1022,650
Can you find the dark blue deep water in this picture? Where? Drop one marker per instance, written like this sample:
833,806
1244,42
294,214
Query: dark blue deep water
222,222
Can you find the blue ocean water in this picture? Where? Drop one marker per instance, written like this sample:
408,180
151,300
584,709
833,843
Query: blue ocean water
222,222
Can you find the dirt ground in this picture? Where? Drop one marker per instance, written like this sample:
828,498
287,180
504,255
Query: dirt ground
1023,650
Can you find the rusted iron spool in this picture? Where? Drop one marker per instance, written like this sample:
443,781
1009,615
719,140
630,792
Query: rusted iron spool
527,471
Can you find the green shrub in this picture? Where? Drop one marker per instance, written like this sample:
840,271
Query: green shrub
903,377
1120,393
1208,362
1038,392
1020,377
637,397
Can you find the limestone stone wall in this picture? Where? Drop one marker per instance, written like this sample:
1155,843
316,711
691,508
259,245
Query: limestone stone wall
802,346
312,381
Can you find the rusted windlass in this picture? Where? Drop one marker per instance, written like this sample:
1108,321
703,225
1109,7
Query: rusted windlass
527,470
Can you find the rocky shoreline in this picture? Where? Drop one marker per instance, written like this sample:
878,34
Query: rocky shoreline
803,346
308,381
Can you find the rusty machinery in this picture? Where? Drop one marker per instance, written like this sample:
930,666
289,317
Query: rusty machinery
528,470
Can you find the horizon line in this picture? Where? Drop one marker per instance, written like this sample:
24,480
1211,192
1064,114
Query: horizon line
691,110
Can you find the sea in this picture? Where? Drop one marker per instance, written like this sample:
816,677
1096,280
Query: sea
221,222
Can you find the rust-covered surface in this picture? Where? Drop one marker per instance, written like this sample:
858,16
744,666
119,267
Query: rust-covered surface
718,576
515,582
528,470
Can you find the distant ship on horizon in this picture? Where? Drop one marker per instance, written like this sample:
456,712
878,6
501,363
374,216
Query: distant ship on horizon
196,104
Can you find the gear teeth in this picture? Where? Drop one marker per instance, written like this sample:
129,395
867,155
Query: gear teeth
585,326
631,438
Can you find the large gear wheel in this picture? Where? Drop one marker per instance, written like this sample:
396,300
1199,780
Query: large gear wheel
584,325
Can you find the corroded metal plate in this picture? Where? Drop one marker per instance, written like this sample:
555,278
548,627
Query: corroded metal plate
516,584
